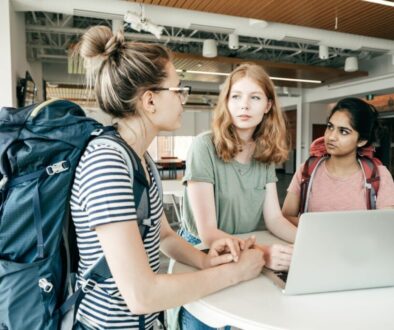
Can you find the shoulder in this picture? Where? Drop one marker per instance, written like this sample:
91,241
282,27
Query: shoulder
97,155
384,173
205,137
203,141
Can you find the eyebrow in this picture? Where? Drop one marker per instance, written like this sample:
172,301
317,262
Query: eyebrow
340,127
255,92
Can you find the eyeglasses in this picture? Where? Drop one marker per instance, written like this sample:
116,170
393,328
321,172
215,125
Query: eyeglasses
183,92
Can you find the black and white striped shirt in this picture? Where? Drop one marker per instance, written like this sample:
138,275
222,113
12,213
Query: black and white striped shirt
102,193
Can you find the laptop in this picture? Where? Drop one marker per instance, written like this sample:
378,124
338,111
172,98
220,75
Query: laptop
336,251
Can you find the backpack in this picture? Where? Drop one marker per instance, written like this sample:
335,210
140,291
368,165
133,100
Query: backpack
40,147
318,154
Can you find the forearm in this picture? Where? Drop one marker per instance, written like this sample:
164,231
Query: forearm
171,290
177,248
208,235
282,228
293,219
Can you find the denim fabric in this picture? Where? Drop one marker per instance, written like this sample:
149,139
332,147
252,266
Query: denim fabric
187,236
188,322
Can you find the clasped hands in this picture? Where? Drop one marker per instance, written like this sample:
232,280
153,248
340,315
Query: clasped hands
231,249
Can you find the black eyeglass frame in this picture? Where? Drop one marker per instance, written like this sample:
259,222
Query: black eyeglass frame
184,91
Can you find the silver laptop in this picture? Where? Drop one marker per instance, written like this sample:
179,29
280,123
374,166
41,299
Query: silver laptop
337,251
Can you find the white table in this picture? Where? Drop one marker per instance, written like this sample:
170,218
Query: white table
174,188
258,304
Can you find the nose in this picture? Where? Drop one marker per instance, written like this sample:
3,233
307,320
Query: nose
244,103
332,135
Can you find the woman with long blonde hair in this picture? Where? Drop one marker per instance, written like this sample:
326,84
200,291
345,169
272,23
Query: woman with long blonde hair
230,172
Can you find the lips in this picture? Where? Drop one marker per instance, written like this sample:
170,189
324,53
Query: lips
330,146
244,117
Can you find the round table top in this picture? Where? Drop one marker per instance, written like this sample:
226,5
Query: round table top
258,304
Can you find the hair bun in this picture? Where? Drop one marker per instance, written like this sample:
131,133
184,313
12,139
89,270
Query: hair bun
99,41
114,45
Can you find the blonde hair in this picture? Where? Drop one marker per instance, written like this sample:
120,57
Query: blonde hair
270,136
121,71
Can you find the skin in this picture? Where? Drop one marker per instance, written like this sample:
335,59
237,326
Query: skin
247,104
341,141
143,290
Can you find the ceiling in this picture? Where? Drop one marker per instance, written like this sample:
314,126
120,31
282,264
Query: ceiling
349,16
285,51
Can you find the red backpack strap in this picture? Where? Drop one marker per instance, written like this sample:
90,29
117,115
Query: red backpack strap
372,179
308,170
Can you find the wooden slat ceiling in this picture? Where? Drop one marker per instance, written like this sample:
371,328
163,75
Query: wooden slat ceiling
349,16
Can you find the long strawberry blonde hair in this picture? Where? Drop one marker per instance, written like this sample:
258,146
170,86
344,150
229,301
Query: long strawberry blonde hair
270,136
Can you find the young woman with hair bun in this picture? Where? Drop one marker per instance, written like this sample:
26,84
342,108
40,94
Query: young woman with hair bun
137,84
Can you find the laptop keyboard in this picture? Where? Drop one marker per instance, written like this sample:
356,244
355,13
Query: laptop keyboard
282,275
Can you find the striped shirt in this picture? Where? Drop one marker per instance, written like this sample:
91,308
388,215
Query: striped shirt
102,193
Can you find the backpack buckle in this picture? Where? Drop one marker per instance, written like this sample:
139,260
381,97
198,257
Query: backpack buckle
45,285
97,132
58,167
88,285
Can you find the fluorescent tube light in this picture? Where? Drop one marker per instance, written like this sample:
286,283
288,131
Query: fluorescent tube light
382,2
273,78
297,80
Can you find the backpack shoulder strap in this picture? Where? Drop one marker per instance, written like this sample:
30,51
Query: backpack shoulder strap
155,173
369,167
100,271
137,177
308,172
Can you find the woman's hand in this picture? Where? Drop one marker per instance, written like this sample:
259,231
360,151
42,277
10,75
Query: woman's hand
226,250
277,256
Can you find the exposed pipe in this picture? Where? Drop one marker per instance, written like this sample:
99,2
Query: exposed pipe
182,18
152,38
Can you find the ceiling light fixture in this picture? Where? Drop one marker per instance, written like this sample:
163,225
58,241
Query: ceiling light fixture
257,23
310,81
323,52
382,2
272,78
351,64
233,41
209,48
140,22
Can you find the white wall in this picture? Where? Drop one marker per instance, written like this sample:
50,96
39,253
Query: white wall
7,90
13,62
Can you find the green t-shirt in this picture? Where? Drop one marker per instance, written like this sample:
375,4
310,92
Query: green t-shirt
239,189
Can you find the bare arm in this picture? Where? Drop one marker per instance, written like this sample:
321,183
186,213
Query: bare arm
291,207
202,201
274,219
147,292
177,248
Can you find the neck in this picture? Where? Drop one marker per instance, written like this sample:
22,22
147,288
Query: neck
246,136
137,132
343,166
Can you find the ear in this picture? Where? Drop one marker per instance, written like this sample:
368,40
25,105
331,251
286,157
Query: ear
148,101
361,143
269,106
